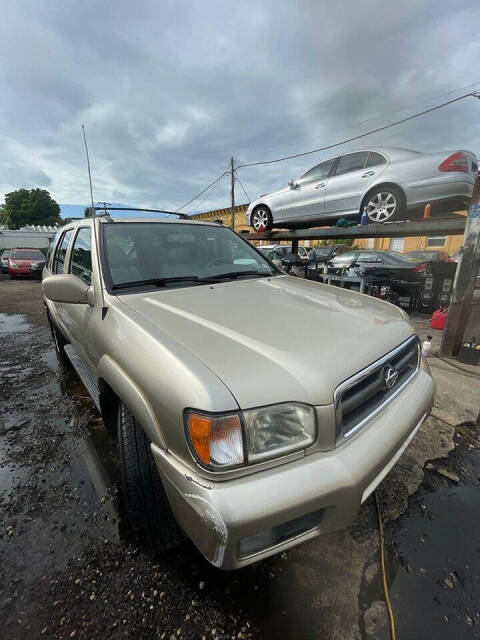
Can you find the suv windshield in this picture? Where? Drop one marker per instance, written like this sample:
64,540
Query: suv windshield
23,254
157,253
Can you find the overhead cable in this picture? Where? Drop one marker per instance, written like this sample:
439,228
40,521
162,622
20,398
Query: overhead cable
361,135
203,191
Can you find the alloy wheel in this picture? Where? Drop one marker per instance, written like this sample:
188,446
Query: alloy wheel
260,220
381,206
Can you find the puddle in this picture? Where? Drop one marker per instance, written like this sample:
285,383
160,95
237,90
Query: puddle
436,590
13,323
50,359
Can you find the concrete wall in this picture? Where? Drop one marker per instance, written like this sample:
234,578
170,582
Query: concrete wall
17,239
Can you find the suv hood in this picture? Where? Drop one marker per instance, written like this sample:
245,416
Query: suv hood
276,339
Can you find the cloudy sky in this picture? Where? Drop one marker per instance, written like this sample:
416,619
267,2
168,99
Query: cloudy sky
169,90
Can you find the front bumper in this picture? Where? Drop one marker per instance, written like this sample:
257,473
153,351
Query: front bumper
19,272
218,515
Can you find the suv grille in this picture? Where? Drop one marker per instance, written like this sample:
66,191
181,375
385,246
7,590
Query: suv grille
361,397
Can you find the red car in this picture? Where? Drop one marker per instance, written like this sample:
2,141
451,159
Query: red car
20,260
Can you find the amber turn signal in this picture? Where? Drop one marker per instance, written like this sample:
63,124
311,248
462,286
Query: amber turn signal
216,439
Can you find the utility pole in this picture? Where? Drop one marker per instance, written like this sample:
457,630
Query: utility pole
465,290
232,191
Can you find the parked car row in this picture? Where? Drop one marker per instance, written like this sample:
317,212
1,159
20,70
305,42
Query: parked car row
23,262
387,183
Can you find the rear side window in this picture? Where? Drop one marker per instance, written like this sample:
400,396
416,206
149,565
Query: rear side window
81,259
368,256
59,259
351,162
375,159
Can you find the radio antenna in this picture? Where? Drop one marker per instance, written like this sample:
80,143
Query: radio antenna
88,167
94,224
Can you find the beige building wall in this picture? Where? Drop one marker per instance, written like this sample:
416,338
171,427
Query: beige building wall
225,215
450,244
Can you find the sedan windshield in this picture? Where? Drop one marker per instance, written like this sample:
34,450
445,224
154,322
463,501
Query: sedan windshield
178,254
23,254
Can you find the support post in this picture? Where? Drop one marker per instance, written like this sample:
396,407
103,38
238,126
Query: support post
464,285
232,191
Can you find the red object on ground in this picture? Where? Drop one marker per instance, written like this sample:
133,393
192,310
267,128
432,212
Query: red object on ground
439,318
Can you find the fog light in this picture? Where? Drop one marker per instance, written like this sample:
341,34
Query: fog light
271,537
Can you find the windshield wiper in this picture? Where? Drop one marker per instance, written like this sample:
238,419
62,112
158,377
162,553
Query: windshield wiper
157,282
161,282
235,274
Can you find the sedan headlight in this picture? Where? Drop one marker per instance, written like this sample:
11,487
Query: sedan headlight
13,264
221,441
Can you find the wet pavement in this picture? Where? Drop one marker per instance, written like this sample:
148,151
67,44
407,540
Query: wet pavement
68,567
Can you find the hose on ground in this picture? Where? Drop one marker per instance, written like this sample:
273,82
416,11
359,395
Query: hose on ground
384,574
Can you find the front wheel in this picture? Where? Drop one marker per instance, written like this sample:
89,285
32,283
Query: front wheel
148,511
384,204
261,219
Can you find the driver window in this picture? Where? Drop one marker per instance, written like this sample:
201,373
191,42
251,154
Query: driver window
318,172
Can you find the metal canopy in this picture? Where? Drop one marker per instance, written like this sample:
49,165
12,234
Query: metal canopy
430,227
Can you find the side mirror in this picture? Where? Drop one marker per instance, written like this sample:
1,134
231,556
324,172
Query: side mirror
292,184
67,288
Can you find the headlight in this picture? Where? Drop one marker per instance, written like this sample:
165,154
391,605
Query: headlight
13,264
278,429
217,440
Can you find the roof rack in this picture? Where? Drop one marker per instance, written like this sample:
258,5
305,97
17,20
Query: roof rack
170,213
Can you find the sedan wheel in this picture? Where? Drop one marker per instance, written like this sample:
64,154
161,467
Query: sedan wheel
261,219
382,206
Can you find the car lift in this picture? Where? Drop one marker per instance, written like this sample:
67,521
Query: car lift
425,227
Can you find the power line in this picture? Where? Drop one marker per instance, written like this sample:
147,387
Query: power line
359,124
203,191
207,195
361,135
240,183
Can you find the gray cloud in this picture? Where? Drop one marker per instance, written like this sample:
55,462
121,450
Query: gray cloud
169,91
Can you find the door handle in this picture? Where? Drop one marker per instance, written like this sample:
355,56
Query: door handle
369,173
322,184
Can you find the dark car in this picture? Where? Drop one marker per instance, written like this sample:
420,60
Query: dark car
430,256
388,264
36,269
4,260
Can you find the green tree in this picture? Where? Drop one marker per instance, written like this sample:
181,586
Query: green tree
30,206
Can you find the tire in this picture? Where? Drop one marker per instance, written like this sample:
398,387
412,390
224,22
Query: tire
384,204
149,514
261,219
